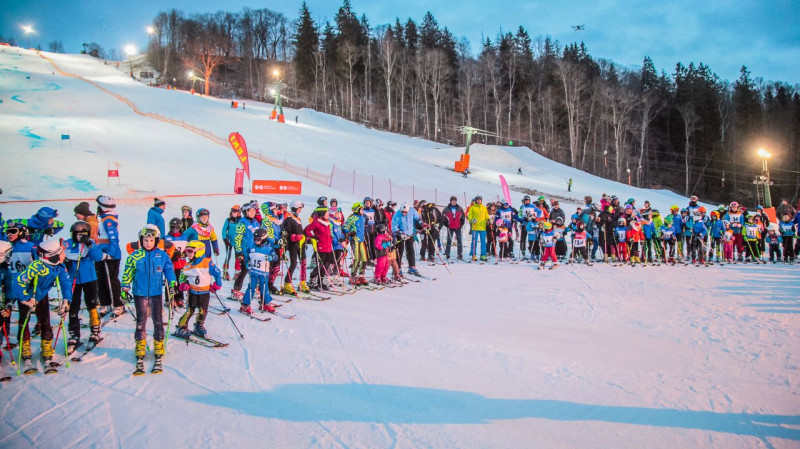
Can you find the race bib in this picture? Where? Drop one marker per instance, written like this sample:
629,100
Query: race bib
579,243
19,262
258,263
198,277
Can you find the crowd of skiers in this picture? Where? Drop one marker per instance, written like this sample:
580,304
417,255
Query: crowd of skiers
176,259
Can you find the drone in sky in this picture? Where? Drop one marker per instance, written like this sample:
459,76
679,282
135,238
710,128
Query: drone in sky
578,27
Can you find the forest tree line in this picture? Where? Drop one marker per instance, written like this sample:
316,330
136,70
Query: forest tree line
686,130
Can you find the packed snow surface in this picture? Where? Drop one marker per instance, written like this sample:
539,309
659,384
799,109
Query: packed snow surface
485,356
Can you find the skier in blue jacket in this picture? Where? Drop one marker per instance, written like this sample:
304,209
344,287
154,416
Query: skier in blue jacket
82,254
155,215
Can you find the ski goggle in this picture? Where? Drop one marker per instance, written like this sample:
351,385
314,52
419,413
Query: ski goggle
12,231
149,233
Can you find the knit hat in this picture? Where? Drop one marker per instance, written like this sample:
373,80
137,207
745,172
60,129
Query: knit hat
158,202
83,209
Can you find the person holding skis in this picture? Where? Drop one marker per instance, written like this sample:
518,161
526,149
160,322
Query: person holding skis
200,277
145,272
32,287
404,224
81,256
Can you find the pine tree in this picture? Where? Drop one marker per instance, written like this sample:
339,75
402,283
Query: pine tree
306,44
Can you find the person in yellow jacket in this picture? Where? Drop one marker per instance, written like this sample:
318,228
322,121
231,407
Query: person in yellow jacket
478,216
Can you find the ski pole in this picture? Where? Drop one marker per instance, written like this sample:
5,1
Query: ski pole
61,324
427,231
8,343
169,321
22,340
229,315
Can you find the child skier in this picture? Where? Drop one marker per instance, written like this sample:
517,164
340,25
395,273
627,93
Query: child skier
294,244
727,243
201,277
716,229
32,287
561,239
773,241
241,241
383,242
354,227
579,247
668,240
258,254
621,235
634,236
699,233
145,271
548,243
788,230
502,239
204,232
81,255
532,227
752,237
175,236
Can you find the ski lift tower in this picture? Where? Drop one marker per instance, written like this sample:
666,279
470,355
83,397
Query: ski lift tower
463,163
275,91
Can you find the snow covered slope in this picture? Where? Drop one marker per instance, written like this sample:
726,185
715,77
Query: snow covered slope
490,356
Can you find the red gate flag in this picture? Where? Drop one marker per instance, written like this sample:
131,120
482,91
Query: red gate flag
113,173
240,147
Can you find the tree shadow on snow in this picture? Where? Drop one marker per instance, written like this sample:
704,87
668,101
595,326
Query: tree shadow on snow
409,405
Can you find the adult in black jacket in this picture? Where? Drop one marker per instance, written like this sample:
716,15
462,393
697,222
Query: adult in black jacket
292,236
556,212
606,222
431,216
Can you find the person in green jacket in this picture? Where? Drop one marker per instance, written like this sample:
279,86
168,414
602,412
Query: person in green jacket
478,216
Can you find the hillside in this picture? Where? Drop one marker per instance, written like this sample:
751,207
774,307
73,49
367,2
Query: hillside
484,356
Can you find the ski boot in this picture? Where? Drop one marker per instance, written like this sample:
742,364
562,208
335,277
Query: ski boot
273,290
158,350
246,310
183,332
236,295
72,343
139,369
288,289
27,365
267,308
415,272
362,281
200,330
47,357
304,287
118,312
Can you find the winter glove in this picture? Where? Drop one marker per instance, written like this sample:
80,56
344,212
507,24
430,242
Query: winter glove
63,309
425,226
86,240
6,312
31,303
48,231
126,290
240,259
296,237
473,221
215,287
184,287
172,286
216,252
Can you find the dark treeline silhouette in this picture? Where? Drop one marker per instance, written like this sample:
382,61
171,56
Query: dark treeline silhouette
687,130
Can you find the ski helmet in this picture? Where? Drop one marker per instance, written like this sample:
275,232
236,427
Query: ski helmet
106,202
202,211
499,222
333,200
674,208
701,209
149,230
656,213
630,201
668,220
772,227
356,207
366,198
249,206
322,200
404,207
580,226
693,198
378,202
259,236
186,209
453,198
610,209
79,227
381,228
16,229
50,251
298,205
733,204
478,198
236,209
197,248
5,250
714,214
628,207
541,198
525,198
621,221
547,225
749,218
321,211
